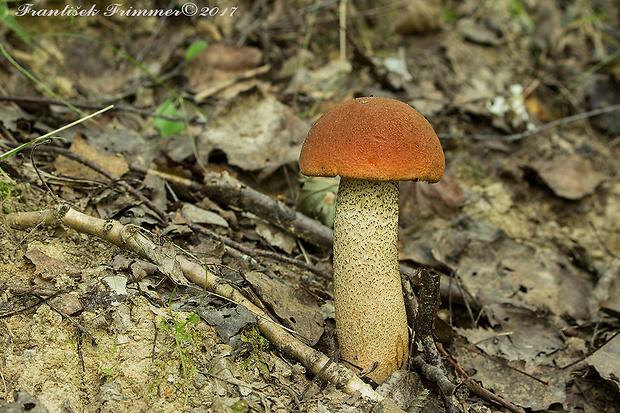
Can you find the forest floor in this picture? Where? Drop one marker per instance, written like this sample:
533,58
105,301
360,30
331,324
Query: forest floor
210,112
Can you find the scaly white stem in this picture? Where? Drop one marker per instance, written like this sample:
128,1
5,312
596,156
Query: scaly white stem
371,322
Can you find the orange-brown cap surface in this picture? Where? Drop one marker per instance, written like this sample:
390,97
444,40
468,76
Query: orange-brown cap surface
373,138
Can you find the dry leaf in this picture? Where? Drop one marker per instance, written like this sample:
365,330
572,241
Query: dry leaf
570,177
255,131
295,307
420,17
442,198
199,215
48,268
606,360
68,304
220,63
115,164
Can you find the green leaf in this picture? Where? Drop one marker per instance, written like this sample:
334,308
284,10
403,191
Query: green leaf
7,19
317,198
195,49
518,10
240,406
450,16
6,190
168,127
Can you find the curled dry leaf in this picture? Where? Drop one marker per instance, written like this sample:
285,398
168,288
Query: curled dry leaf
606,360
220,63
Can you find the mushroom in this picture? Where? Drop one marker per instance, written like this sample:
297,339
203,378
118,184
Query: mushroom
372,143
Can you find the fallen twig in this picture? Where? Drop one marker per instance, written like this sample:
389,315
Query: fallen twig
225,189
69,318
97,168
97,106
26,290
541,128
165,217
263,253
476,388
431,365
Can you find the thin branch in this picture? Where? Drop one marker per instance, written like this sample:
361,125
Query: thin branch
447,388
477,388
97,168
542,128
95,106
69,318
263,253
195,186
225,189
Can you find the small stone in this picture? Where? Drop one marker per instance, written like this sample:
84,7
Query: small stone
200,380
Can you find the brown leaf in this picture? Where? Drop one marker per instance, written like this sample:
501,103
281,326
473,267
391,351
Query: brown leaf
570,177
48,268
442,198
606,360
420,17
68,304
255,131
496,268
295,307
219,63
507,379
115,164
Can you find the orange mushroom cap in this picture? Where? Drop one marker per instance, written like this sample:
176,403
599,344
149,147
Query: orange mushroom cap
373,138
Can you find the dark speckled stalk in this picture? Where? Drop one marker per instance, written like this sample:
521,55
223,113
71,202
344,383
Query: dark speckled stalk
370,312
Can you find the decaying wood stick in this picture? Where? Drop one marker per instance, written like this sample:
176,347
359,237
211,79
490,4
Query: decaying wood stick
175,266
233,192
227,190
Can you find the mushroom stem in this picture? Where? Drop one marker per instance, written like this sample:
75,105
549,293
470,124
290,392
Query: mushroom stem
371,322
